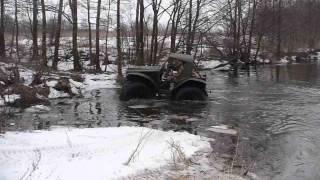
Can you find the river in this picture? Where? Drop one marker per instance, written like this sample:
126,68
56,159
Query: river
275,108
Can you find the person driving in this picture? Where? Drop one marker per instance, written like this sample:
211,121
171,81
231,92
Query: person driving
175,69
172,71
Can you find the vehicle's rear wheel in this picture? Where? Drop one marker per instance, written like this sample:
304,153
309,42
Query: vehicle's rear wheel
136,90
190,93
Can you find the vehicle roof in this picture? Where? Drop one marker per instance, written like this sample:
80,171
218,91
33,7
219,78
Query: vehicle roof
182,57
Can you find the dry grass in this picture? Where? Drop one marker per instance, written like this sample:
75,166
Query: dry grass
178,157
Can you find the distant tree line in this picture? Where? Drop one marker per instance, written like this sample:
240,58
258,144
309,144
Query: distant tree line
240,30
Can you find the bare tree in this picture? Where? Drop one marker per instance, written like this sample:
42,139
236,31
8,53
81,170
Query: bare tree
35,54
106,59
252,27
192,25
44,34
2,40
75,52
16,23
188,41
155,31
119,60
140,32
279,38
97,60
57,37
89,32
178,11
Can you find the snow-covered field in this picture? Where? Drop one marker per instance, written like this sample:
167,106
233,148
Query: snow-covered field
99,153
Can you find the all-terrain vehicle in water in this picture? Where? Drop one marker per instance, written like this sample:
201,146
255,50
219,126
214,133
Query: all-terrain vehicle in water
176,79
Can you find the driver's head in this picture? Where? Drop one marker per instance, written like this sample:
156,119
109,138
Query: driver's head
178,63
174,63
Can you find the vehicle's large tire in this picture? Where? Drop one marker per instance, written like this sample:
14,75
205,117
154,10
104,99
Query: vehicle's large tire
190,93
136,90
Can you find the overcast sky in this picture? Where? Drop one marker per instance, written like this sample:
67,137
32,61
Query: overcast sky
127,10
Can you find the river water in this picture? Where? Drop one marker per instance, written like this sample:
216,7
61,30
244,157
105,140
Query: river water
276,110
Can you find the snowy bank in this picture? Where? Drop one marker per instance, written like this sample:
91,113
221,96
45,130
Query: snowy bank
99,81
41,87
100,153
214,63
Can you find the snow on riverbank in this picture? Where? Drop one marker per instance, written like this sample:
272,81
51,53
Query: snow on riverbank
99,81
60,84
214,63
9,99
100,153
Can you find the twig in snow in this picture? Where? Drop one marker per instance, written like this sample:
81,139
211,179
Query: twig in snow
135,152
70,145
68,140
235,155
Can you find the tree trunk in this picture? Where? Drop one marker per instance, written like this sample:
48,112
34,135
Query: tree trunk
44,34
188,41
16,22
97,60
278,53
155,31
12,40
253,20
175,20
140,33
57,37
106,58
35,54
2,39
75,53
165,35
90,32
120,76
194,25
239,16
137,30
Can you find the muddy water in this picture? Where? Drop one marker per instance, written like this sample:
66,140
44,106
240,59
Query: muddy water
276,110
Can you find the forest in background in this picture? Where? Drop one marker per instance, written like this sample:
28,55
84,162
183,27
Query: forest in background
144,31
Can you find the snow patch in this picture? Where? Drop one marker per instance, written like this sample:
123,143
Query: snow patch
99,81
139,106
263,60
223,129
284,60
76,86
27,75
52,83
11,98
38,108
100,153
65,65
212,64
54,94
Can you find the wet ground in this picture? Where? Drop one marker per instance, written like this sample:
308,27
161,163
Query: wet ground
276,110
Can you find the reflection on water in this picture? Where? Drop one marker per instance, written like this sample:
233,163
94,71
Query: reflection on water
275,108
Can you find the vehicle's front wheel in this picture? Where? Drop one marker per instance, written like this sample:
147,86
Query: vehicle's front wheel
135,90
190,93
